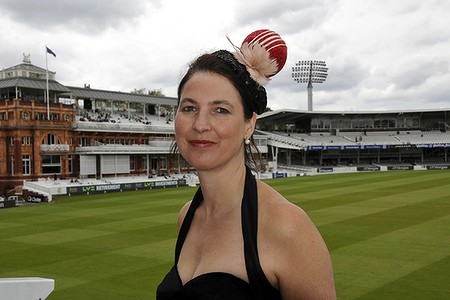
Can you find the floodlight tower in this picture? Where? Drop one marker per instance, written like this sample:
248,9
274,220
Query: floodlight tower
310,71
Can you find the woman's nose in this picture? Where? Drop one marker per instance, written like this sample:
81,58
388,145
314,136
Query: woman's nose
202,122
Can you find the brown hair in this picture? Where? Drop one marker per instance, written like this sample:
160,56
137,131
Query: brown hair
250,92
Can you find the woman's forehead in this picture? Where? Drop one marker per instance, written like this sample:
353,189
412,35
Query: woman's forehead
211,86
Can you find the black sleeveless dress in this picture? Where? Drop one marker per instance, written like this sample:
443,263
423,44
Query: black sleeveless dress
218,285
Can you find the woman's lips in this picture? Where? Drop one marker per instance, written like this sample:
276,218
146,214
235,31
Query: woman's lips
202,143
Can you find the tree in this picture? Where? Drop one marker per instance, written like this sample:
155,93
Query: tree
143,91
138,91
156,92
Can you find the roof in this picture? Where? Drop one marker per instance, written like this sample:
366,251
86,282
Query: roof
287,116
26,66
78,92
88,93
38,84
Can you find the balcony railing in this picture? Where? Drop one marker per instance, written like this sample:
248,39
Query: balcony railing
55,148
111,127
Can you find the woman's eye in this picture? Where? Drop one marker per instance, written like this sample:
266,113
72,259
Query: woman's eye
222,110
188,109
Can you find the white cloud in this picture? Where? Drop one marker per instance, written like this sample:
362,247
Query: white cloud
381,54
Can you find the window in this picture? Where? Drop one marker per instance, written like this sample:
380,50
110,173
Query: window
163,161
83,141
132,162
144,162
51,164
40,116
70,162
54,117
25,115
26,165
184,164
35,75
12,164
51,139
26,140
175,164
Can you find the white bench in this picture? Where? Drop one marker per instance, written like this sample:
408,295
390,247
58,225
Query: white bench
27,288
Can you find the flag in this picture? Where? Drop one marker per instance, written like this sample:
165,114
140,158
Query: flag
50,51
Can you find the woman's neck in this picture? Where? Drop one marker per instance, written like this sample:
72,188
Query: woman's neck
222,188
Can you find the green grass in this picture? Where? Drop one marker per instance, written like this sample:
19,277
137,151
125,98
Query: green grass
388,234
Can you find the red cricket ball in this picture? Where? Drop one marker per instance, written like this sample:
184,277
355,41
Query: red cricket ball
272,42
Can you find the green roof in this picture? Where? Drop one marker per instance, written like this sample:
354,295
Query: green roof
88,93
38,84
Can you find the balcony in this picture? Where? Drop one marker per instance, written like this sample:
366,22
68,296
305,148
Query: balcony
56,148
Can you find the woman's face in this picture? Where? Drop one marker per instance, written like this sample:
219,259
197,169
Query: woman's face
210,127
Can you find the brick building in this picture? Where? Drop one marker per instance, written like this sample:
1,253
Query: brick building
79,132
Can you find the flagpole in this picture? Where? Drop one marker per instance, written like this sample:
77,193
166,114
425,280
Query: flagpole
47,94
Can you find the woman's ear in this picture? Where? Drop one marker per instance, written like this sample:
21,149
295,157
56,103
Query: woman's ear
251,123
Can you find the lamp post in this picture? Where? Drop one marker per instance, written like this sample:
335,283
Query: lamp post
310,71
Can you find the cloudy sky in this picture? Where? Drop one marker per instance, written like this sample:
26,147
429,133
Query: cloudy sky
381,54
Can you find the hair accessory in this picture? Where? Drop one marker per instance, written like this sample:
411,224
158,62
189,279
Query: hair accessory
258,92
264,54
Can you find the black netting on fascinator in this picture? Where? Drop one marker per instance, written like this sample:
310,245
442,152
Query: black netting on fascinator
257,92
262,54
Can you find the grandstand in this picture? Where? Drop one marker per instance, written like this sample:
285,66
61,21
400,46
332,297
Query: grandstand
342,139
84,137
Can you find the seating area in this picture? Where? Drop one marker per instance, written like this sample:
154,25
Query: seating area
123,117
372,138
425,137
323,139
122,121
360,138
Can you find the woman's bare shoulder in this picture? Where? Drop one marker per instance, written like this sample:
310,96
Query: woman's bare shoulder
283,216
296,254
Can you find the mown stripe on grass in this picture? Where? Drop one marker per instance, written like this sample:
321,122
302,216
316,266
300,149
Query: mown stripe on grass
121,240
366,206
98,266
58,236
137,284
320,184
378,261
34,257
411,286
348,191
366,226
162,250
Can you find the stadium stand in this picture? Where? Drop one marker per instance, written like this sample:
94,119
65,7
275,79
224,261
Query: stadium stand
98,135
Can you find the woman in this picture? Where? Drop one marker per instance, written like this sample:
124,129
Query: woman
238,238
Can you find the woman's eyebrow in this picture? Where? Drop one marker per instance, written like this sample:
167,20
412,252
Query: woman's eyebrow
188,100
213,102
221,102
